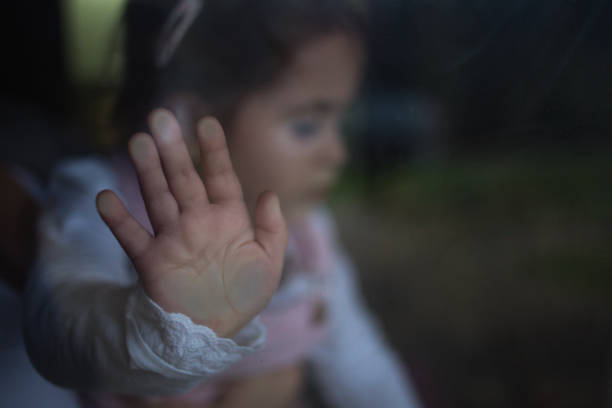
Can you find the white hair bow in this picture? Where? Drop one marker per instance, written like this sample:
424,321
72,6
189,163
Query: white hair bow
175,28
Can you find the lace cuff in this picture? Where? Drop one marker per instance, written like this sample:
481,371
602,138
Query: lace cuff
171,345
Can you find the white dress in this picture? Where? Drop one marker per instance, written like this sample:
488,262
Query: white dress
89,325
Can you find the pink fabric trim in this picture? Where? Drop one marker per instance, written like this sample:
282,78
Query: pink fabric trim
291,334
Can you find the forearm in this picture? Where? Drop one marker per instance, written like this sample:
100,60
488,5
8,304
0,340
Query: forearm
106,337
75,331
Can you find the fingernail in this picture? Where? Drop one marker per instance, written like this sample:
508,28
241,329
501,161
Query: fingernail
207,127
276,205
104,202
139,147
161,124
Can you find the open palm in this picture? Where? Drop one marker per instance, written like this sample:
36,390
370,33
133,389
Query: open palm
205,260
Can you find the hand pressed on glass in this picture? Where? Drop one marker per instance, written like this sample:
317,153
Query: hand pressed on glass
205,260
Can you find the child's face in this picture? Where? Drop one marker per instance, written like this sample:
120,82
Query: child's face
286,138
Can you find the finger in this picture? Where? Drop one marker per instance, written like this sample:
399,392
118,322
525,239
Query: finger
159,201
221,181
270,228
183,180
132,237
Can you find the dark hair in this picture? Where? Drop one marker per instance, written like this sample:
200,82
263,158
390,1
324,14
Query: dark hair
232,48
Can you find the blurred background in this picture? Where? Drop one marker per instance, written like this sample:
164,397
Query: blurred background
478,205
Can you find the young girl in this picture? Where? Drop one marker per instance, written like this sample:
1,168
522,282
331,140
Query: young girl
217,280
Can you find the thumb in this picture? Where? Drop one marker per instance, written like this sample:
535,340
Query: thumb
270,227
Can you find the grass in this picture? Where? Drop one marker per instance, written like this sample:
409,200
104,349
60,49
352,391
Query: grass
458,257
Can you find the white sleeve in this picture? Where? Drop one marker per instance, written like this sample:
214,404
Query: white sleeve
355,367
89,325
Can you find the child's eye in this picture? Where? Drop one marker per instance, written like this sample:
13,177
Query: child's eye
305,128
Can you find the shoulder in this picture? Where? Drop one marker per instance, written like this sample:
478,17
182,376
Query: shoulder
75,183
80,175
68,213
